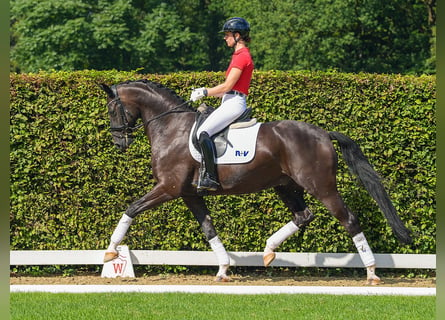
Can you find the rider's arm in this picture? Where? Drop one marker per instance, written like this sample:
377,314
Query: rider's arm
227,85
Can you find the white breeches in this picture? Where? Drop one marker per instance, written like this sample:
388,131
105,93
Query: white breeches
231,108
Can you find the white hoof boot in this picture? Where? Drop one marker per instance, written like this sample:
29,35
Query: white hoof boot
268,256
372,278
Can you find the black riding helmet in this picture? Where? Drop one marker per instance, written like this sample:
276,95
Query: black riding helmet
239,25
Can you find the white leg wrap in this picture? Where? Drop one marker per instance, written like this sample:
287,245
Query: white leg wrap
120,231
278,237
220,251
364,250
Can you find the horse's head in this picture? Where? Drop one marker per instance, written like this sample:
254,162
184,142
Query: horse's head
122,118
131,100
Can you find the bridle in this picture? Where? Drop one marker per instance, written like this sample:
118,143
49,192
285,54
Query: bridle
125,129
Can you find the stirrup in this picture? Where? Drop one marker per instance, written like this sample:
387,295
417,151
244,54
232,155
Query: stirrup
207,183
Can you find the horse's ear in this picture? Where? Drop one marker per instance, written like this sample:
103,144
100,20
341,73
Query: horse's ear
107,89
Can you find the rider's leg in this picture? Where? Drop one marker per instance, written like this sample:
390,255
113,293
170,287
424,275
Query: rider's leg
209,180
230,109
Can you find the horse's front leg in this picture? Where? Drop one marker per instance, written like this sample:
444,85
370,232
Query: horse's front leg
199,209
151,200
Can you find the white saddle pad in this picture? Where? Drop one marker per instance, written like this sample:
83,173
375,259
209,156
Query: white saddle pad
241,150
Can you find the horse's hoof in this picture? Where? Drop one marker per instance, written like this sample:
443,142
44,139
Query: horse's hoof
110,255
374,281
268,258
222,278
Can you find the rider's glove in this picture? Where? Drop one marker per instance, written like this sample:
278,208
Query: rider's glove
198,94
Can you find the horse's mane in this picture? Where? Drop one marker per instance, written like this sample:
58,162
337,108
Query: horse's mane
160,88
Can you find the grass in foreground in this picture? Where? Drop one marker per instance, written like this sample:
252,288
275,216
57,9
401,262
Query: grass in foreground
215,306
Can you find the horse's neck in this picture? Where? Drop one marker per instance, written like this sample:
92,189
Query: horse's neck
169,129
152,105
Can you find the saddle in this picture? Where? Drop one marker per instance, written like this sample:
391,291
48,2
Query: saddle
220,139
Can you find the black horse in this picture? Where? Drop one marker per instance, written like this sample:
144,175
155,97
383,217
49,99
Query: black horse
291,157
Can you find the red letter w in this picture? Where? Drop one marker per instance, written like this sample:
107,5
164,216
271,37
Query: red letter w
118,267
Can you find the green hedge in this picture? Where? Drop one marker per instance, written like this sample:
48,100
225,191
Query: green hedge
70,185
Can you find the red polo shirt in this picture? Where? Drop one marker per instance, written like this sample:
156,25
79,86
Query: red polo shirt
242,59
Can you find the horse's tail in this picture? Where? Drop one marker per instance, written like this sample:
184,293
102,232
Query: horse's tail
360,166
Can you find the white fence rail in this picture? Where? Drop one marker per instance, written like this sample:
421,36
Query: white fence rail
207,258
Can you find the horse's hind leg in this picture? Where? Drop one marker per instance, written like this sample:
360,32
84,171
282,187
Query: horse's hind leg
293,198
199,209
349,221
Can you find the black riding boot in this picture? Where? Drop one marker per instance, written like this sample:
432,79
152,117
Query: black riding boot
208,178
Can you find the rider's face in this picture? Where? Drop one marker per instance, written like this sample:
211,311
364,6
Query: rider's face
229,37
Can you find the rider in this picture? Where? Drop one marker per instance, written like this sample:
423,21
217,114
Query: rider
233,91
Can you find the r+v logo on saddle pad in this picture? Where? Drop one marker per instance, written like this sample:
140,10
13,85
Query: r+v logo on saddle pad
239,153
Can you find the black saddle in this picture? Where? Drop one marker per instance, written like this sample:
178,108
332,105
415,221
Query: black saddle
220,139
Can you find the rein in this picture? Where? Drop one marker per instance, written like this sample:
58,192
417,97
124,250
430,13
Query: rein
174,110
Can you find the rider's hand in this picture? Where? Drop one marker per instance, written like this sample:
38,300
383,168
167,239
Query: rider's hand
198,94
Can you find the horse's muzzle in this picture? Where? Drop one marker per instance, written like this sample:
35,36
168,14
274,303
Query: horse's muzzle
121,147
122,142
